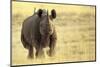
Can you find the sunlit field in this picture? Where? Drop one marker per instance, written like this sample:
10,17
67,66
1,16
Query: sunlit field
75,27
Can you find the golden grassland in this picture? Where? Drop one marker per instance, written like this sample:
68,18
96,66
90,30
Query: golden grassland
75,26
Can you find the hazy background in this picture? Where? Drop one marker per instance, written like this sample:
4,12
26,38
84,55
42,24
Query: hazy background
75,26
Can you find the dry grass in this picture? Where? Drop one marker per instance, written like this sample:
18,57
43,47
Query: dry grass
75,26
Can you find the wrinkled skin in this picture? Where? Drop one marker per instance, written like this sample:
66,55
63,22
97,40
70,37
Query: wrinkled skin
39,32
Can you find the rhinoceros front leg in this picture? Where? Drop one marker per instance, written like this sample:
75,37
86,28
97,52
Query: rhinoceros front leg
39,52
40,46
52,44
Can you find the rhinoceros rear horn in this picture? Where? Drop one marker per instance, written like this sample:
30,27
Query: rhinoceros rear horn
40,11
53,13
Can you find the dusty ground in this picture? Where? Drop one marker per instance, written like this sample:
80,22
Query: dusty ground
75,26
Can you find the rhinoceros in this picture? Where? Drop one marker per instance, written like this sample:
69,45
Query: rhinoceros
38,32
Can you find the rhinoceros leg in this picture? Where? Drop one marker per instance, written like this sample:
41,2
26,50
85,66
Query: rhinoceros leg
27,46
52,44
30,52
39,52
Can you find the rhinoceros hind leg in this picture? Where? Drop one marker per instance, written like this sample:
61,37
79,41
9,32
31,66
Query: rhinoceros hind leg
30,53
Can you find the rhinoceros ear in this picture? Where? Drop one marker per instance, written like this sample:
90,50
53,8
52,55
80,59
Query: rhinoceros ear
40,11
53,13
